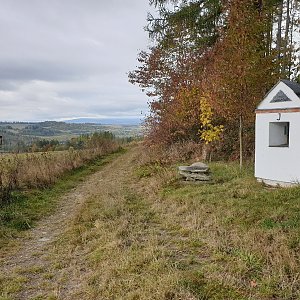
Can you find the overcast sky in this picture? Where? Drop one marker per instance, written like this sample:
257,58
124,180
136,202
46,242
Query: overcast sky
63,59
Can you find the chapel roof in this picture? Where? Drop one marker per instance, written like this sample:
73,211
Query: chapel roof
292,85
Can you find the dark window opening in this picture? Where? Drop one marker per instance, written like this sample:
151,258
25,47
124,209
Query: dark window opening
279,134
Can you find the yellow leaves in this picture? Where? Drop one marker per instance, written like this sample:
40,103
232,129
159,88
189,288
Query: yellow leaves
208,132
212,134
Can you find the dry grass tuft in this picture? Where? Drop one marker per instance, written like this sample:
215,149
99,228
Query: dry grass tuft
174,153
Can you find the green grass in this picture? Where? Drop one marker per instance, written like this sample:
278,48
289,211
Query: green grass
232,239
27,207
251,231
148,236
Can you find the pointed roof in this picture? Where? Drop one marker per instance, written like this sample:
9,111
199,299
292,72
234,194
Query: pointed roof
284,95
292,85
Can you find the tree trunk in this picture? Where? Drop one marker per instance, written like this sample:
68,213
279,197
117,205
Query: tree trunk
287,21
279,31
286,50
269,39
206,152
294,9
241,141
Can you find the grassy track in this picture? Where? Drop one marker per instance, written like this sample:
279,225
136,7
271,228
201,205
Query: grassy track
27,207
140,234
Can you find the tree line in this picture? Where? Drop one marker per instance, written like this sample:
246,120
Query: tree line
210,63
84,141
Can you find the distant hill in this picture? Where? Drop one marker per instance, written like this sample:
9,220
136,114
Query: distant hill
116,121
16,135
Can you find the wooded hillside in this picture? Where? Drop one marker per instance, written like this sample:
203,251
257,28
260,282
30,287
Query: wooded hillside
210,64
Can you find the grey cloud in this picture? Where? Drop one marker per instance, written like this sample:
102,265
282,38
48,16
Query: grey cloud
37,71
70,57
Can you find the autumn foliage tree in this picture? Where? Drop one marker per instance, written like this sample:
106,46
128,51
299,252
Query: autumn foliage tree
228,52
242,70
172,68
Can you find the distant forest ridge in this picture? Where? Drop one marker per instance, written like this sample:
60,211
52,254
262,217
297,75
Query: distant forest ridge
18,135
99,121
107,121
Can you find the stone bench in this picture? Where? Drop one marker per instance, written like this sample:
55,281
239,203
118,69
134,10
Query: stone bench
195,172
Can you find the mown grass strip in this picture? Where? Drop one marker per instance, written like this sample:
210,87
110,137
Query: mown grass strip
27,207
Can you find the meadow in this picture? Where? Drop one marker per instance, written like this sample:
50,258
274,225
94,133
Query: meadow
31,183
39,170
144,234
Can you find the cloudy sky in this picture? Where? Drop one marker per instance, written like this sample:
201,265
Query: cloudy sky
63,59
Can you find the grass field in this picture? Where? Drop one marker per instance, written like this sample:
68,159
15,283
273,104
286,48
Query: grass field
233,239
142,234
40,170
29,206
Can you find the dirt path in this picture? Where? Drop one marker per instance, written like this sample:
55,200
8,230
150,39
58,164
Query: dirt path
32,270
